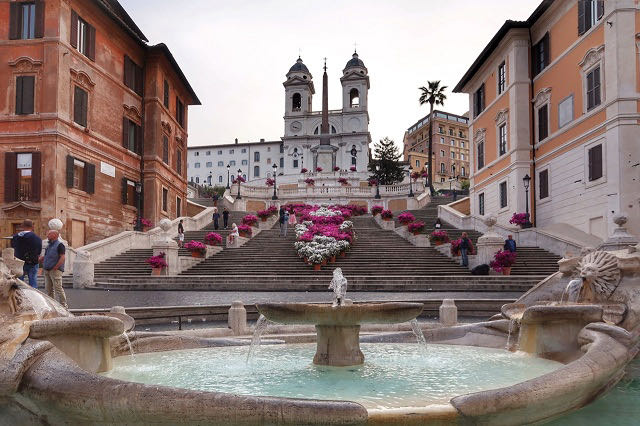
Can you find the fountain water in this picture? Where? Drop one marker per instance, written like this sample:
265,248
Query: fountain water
572,291
126,337
417,330
512,322
261,326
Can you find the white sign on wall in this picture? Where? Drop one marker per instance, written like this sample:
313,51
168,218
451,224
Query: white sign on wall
24,161
107,169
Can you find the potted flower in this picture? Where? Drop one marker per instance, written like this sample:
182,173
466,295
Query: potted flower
439,237
372,182
263,215
269,182
343,181
353,168
503,261
213,239
245,231
416,227
250,220
415,175
309,181
196,248
386,215
146,223
303,170
273,210
336,169
158,264
239,179
318,169
376,210
406,218
521,219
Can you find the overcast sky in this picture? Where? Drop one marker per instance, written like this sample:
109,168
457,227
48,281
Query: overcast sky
236,55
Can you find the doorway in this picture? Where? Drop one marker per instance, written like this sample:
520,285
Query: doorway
77,233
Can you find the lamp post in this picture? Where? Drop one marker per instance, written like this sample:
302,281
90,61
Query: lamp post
410,185
238,177
377,197
210,178
228,170
354,154
455,195
139,206
275,183
526,180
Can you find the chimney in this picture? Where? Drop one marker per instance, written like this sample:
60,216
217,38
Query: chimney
261,139
236,141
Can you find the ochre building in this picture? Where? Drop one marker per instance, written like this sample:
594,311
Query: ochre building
555,98
92,113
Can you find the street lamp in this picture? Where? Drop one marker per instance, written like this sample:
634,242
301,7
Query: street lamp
526,180
410,185
377,197
238,177
228,170
139,206
455,194
275,184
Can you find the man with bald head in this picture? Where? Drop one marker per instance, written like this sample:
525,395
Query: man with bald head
53,265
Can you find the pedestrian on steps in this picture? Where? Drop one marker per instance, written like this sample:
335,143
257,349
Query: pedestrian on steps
284,224
216,219
27,247
215,199
465,246
225,217
438,224
53,265
510,244
235,233
180,234
292,219
281,218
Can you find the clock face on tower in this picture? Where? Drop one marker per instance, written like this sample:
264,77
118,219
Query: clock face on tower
296,126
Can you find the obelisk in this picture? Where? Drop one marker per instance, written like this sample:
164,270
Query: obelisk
325,153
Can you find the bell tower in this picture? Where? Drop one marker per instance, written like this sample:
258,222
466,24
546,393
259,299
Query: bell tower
298,90
355,85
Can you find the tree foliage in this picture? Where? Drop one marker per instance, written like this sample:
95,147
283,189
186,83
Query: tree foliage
433,94
387,156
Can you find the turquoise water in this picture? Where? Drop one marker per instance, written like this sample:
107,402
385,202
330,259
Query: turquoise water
394,375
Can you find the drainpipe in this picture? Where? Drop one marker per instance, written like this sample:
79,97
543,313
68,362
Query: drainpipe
142,125
533,135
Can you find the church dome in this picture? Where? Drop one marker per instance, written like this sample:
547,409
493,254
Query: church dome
354,62
299,66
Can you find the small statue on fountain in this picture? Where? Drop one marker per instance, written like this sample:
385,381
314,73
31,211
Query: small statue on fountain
339,286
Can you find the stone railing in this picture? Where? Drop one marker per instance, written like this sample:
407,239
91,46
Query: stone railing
327,191
531,237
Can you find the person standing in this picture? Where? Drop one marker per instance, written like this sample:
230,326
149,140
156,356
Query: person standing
281,213
225,217
180,234
27,246
465,245
510,244
215,199
284,224
216,219
53,265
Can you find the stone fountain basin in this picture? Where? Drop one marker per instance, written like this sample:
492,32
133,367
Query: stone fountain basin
344,315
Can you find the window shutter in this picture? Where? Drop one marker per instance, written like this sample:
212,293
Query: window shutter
14,20
90,176
69,171
10,175
84,106
74,29
77,106
19,84
125,132
28,83
547,50
139,144
138,82
124,190
91,42
178,109
600,9
166,94
582,23
127,71
596,86
39,24
535,59
36,175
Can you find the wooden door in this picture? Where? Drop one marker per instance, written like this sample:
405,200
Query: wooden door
77,233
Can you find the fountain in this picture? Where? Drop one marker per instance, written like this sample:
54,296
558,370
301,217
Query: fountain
577,331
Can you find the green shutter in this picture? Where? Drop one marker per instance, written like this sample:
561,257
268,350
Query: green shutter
69,171
90,176
124,190
36,175
10,176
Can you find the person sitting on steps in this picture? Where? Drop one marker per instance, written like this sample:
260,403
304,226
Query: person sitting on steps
234,234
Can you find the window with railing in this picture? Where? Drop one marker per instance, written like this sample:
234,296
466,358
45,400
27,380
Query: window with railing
22,176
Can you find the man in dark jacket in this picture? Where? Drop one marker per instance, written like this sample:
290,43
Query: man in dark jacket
27,246
225,217
465,246
510,244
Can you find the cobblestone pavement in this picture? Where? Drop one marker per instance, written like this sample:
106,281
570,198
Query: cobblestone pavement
86,299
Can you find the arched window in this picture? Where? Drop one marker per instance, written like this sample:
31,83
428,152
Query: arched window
256,171
333,130
256,156
453,169
463,171
296,103
443,169
354,98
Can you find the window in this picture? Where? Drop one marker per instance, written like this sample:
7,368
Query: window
281,149
165,99
179,162
22,174
461,144
503,195
165,149
268,149
453,169
208,153
197,165
502,77
354,98
481,204
197,153
209,164
245,162
296,102
478,101
453,143
268,160
295,164
243,151
25,85
232,162
589,13
132,136
593,88
441,140
80,175
442,179
453,155
595,163
80,104
440,130
450,132
480,155
462,157
543,184
165,199
219,152
132,75
460,134
443,168
541,55
26,20
463,171
83,36
565,111
178,207
197,179
256,171
256,156
502,139
179,112
281,162
219,179
543,122
442,153
129,194
417,164
220,163
231,151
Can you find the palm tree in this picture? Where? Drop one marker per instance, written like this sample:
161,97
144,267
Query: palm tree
432,95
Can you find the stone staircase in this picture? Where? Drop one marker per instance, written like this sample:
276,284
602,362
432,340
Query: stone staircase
207,202
234,217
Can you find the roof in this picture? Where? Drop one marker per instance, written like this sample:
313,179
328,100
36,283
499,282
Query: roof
115,10
162,48
354,62
439,114
231,145
299,66
497,38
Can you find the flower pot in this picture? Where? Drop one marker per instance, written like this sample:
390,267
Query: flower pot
375,214
157,271
416,232
332,259
324,262
316,267
244,234
386,219
263,219
439,243
197,254
343,254
506,270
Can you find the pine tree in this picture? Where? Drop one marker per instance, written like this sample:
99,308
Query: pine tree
386,155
